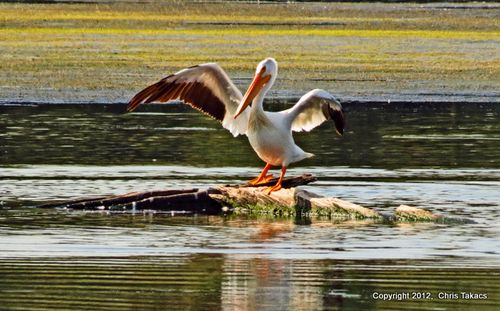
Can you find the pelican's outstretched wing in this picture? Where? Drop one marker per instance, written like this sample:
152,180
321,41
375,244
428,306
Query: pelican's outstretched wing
314,108
204,87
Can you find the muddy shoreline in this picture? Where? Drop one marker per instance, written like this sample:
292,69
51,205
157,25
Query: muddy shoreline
119,97
275,102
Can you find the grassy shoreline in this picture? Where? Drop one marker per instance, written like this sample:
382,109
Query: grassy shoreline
106,52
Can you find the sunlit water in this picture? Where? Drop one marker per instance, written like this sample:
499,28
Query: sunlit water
443,157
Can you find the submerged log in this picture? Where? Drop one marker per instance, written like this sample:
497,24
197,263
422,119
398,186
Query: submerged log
289,202
243,199
411,213
321,206
406,213
184,200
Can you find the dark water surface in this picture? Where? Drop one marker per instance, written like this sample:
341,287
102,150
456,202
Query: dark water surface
441,156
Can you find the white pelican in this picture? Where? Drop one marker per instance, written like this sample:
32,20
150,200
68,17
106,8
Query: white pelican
207,88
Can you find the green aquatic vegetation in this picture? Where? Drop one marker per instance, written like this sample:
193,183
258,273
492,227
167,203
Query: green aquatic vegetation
117,47
255,32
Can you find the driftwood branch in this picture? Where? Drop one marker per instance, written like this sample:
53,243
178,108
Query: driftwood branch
288,182
245,199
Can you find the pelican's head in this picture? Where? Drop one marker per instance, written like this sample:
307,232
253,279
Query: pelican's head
268,66
265,74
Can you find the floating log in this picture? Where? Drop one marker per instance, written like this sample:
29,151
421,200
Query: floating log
117,201
290,201
191,202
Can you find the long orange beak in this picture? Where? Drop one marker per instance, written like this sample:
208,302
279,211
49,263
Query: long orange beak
255,87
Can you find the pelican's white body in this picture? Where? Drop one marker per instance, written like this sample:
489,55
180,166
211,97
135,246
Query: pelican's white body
270,136
270,133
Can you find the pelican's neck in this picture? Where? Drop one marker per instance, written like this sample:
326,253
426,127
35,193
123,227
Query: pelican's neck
258,101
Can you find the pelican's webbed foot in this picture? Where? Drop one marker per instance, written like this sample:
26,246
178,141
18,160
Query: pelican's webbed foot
260,180
278,184
273,188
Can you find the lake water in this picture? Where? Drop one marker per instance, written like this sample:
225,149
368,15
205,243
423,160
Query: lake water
439,156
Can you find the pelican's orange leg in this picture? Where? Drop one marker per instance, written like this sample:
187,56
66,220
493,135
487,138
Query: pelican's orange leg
278,184
263,178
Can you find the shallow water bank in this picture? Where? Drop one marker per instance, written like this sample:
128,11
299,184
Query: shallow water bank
105,52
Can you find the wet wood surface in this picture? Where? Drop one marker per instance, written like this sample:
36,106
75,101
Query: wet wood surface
245,199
